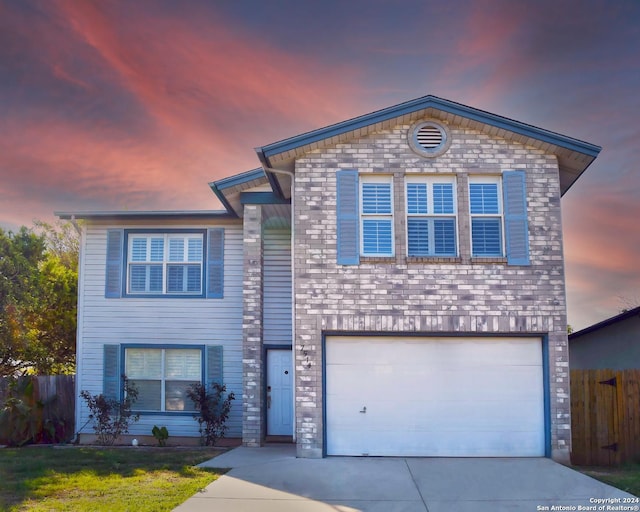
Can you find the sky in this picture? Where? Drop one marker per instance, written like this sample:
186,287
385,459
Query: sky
138,105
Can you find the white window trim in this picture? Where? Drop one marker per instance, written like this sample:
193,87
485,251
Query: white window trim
373,178
430,181
166,236
500,215
163,378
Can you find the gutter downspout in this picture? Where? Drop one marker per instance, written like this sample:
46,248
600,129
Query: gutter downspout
293,287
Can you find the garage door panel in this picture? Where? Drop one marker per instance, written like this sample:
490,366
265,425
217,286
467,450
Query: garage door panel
434,396
444,443
440,351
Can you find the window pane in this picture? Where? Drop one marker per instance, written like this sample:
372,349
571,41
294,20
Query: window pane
149,398
176,396
155,278
157,249
483,198
418,235
376,198
444,237
140,275
486,237
194,278
442,198
417,198
183,364
376,237
175,278
139,249
176,249
195,249
143,363
138,278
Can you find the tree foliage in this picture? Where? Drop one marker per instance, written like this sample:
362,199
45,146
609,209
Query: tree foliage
38,298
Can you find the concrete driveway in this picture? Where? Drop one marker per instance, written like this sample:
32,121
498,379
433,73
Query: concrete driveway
273,479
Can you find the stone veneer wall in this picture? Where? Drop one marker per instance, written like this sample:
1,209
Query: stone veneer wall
454,295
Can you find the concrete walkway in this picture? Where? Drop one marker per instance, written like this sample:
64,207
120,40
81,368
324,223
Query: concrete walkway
273,479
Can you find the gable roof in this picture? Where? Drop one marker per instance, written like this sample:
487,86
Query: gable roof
574,156
605,323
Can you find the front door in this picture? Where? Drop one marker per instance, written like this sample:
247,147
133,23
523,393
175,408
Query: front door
279,393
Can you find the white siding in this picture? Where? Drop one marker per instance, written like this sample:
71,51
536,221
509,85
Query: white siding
158,320
277,287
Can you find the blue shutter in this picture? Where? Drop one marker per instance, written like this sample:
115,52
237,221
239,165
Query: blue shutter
111,372
215,370
215,264
347,217
515,217
113,273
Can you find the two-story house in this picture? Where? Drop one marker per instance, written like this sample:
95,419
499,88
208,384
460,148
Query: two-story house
389,285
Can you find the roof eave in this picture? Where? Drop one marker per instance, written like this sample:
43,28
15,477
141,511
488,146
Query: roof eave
145,215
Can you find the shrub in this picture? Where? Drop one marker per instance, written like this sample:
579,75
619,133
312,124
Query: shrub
213,410
21,413
161,434
24,418
111,417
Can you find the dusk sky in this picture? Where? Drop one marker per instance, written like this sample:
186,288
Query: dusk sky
137,105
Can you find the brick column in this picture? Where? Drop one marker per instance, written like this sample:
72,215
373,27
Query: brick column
252,370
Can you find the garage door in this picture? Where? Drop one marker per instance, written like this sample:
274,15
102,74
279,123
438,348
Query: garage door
449,396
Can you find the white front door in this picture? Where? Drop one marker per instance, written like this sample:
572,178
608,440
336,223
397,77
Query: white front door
453,396
279,393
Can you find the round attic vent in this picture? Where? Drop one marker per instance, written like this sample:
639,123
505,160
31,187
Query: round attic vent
428,138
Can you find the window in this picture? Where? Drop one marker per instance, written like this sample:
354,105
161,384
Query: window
485,204
376,216
162,377
431,216
165,263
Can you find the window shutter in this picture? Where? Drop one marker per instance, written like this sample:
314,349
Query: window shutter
113,274
214,364
215,264
111,372
515,217
347,217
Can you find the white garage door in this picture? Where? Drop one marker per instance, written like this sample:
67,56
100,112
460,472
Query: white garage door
449,396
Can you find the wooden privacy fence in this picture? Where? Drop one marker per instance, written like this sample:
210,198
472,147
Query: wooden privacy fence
57,394
605,417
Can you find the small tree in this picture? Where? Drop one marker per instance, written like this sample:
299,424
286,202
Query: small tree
213,410
111,417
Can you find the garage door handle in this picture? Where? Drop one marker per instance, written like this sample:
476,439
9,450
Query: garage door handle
364,410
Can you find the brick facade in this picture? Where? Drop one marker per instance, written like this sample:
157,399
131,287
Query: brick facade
430,296
253,428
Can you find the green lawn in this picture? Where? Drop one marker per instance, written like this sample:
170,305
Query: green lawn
110,479
625,477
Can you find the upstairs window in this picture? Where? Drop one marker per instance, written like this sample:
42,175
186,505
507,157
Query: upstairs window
376,216
165,264
485,205
431,216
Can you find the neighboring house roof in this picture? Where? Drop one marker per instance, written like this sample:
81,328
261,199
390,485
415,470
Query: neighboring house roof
605,323
574,156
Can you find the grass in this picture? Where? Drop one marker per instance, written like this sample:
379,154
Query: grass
625,477
110,479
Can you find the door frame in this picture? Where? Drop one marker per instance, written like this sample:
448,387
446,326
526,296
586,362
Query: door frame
265,349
